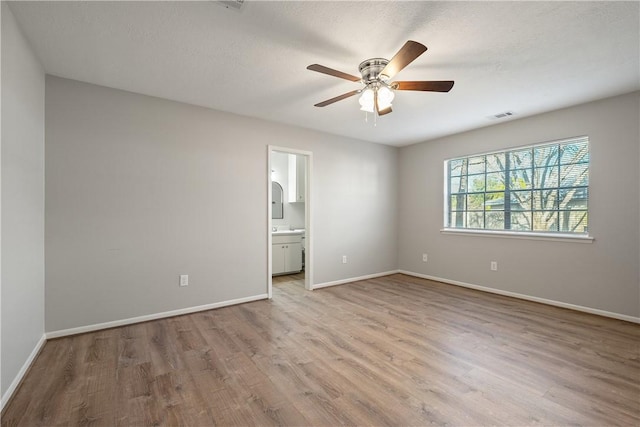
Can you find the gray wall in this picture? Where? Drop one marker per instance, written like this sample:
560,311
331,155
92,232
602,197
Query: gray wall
22,170
140,190
603,275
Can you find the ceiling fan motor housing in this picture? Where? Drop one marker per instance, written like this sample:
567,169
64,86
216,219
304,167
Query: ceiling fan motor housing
371,68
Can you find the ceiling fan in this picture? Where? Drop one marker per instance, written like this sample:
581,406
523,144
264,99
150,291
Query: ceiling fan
378,92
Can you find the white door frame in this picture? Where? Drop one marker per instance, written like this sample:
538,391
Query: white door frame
308,224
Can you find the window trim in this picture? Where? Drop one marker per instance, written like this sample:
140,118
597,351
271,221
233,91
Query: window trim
512,234
526,235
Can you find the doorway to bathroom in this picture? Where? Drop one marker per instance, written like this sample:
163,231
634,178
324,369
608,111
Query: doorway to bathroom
289,242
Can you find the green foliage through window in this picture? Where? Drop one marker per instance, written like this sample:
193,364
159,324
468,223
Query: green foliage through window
542,188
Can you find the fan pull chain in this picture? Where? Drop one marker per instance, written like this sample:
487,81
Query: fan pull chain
375,118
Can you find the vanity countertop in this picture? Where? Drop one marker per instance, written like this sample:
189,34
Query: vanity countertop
288,232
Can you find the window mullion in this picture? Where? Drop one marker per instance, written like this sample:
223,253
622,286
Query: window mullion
507,191
558,193
484,205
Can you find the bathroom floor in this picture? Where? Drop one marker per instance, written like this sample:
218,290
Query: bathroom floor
297,278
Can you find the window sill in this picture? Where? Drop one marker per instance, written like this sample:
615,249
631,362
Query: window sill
555,237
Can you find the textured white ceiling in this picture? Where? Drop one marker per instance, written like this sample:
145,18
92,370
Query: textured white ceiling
525,57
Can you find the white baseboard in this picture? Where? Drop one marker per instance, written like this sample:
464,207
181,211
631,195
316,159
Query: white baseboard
353,279
132,320
25,367
527,297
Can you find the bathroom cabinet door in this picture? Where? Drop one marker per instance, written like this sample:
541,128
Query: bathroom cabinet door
297,178
277,257
286,258
293,257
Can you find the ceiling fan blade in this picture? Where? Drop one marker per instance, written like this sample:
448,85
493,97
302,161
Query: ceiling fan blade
330,71
427,86
376,106
337,98
385,111
405,56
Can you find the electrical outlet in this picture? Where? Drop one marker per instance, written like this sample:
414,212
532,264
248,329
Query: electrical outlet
424,258
344,259
494,265
184,280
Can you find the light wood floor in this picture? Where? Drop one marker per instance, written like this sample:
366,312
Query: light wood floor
395,350
297,278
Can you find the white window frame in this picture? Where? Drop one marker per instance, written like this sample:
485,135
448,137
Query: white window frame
583,237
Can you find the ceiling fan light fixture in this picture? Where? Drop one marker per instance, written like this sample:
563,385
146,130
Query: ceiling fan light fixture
385,97
366,100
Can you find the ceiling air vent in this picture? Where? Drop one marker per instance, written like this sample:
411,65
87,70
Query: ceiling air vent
231,4
502,115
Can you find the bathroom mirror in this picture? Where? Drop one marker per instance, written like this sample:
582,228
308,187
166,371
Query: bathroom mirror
277,211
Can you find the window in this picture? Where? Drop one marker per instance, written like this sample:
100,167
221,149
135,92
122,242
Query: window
542,188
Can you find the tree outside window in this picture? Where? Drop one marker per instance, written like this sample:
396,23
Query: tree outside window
542,188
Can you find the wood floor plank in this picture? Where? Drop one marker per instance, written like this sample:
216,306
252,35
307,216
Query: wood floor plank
163,350
395,350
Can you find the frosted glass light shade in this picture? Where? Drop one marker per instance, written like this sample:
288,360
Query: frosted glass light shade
385,97
366,101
